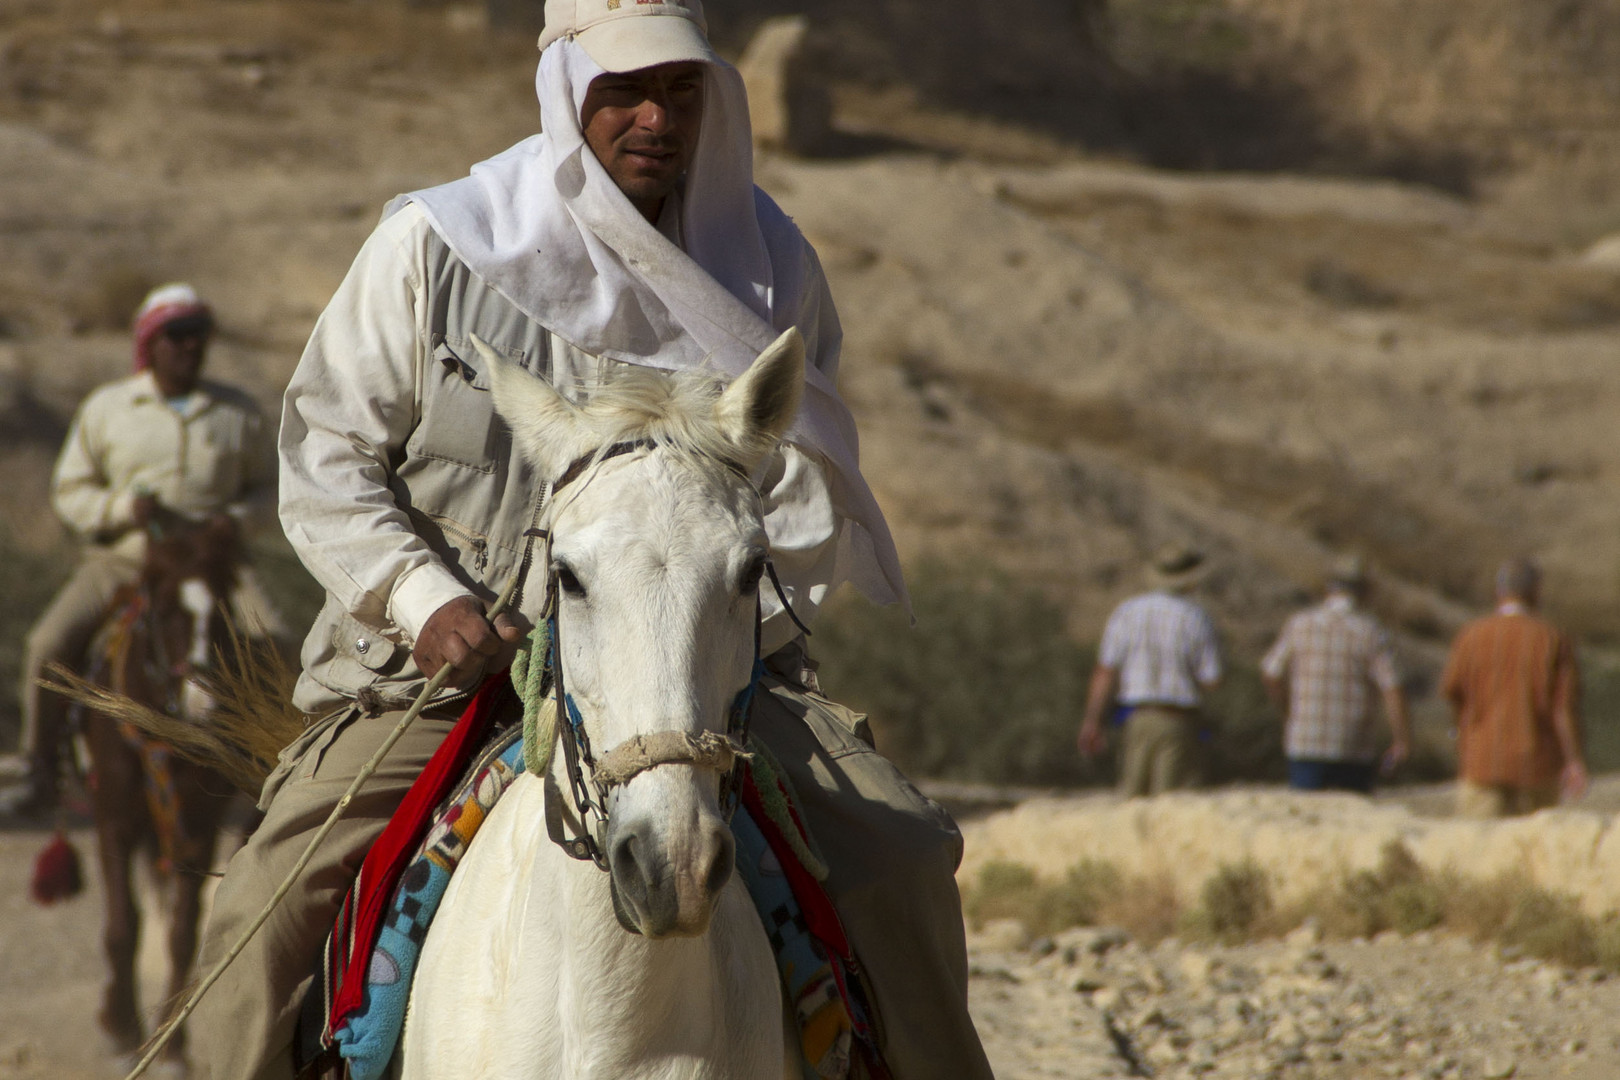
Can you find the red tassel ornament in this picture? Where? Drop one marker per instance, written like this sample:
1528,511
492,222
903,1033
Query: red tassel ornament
57,872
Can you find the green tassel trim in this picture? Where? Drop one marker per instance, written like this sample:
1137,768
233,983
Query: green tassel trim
775,791
539,709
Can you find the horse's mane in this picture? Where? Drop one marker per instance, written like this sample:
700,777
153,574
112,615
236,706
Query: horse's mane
673,409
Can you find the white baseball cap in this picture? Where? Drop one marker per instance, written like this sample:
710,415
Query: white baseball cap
628,35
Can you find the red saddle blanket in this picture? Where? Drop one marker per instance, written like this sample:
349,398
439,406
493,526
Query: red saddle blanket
360,920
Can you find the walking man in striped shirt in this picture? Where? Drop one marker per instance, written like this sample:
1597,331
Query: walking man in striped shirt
1323,673
1159,653
1513,681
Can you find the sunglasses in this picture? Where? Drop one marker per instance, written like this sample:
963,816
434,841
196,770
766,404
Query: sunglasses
187,329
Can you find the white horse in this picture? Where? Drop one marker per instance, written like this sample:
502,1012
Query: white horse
656,555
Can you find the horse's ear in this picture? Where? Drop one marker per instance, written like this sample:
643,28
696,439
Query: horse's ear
547,428
759,406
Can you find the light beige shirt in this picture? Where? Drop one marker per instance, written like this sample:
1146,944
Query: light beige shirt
352,410
209,455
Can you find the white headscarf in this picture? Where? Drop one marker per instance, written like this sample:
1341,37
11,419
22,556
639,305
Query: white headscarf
546,227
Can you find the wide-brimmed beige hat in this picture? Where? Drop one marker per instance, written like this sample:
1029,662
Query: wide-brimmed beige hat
628,35
1349,572
1177,566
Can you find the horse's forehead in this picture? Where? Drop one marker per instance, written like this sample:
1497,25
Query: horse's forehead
658,498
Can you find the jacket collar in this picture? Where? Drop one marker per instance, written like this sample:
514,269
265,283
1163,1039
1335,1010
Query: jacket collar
146,390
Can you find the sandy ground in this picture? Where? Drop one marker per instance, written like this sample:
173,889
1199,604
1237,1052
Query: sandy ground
1085,1006
53,970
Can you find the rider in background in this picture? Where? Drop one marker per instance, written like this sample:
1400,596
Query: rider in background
161,441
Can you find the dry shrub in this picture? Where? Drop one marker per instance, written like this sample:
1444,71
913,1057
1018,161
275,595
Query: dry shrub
1550,926
1092,893
1606,943
1234,903
1397,895
1004,890
1148,908
1402,896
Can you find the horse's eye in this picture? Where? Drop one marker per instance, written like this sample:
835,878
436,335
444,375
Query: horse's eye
568,582
751,576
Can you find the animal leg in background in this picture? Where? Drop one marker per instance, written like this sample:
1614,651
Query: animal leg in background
119,825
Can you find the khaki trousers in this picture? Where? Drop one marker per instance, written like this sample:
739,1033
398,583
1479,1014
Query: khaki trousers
62,634
893,855
1502,800
1159,751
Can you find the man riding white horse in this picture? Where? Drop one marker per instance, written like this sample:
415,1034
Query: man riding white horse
628,232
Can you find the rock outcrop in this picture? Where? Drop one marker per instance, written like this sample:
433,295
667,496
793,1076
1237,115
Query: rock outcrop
788,101
1302,842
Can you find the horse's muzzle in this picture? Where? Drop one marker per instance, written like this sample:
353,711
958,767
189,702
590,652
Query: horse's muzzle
666,879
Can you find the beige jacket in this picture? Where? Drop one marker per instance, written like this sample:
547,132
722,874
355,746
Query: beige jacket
210,455
399,488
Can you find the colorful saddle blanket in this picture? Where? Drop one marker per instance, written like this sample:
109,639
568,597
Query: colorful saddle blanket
372,953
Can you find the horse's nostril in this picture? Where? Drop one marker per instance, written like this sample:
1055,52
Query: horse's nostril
721,866
624,858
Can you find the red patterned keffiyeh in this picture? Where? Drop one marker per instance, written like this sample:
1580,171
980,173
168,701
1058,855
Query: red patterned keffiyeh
161,307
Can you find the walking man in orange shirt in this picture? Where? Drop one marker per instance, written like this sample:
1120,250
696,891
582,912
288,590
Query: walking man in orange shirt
1513,683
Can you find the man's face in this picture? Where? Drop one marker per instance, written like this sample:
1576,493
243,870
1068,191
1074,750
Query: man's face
643,127
177,354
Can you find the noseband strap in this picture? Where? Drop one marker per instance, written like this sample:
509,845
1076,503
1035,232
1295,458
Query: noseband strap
705,750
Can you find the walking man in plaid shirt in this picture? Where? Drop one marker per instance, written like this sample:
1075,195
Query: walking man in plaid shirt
1513,681
1326,668
1159,653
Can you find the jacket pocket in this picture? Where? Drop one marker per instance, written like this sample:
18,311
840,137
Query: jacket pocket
458,422
300,758
360,644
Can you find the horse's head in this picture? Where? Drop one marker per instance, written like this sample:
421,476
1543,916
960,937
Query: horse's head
189,571
656,555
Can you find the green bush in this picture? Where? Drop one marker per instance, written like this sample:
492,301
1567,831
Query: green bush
1004,890
1231,905
1600,708
1245,731
1091,893
988,687
1551,926
1398,895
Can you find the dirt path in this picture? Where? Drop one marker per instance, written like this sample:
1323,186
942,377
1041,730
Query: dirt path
53,972
1091,1004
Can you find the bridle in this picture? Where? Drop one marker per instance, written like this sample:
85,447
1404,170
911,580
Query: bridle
592,779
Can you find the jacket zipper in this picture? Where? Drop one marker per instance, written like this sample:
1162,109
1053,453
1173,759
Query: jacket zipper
479,544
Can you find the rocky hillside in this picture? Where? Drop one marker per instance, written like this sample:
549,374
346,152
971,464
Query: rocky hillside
1059,357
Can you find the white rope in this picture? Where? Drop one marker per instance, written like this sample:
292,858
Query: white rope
434,685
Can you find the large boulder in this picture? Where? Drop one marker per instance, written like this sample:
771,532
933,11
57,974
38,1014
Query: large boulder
788,100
